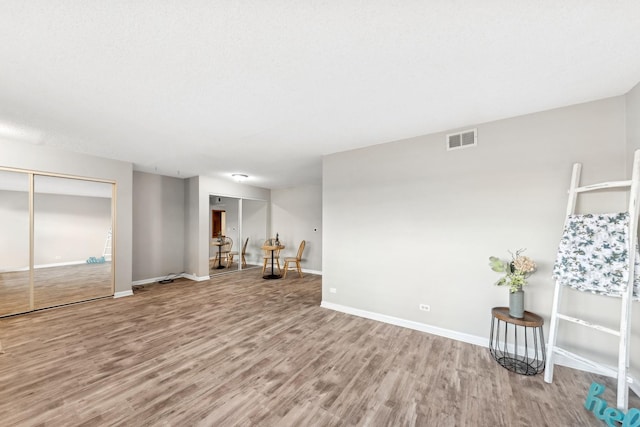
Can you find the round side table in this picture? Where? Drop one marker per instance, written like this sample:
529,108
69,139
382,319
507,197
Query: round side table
517,344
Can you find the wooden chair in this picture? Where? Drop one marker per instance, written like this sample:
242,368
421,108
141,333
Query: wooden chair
231,254
295,260
266,259
244,252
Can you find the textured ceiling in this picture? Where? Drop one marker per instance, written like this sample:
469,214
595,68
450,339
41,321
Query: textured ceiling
266,88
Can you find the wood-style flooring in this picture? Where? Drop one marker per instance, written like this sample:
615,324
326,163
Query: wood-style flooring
240,350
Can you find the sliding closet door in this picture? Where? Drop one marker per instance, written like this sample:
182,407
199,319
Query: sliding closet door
72,223
14,244
254,227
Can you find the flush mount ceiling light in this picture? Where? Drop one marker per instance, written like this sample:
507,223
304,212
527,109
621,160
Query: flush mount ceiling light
239,177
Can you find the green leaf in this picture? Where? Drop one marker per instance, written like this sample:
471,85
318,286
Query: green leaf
497,264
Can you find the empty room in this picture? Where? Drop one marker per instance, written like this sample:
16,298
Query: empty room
323,213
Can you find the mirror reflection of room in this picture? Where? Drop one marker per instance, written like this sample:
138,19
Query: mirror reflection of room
58,249
223,234
237,228
72,240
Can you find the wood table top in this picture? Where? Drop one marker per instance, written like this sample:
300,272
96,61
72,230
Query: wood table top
530,319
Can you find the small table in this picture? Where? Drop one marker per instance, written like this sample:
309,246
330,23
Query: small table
272,248
506,346
219,244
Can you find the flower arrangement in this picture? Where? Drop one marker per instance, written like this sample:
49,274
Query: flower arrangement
517,270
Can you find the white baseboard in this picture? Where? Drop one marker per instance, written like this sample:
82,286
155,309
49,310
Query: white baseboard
306,270
447,333
123,294
59,264
194,277
56,264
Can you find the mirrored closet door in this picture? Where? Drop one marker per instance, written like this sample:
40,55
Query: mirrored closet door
254,227
236,219
224,234
72,233
59,241
15,282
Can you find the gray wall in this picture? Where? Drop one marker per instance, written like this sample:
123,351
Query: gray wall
296,213
409,222
192,231
158,225
46,159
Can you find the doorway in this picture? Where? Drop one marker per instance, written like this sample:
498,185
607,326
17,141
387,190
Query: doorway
218,223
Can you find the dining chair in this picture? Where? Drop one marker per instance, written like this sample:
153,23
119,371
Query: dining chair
266,259
295,260
244,252
232,254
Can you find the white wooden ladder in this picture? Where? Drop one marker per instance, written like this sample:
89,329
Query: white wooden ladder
624,333
106,253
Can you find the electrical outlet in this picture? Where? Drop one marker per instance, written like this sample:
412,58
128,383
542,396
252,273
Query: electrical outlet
424,307
332,290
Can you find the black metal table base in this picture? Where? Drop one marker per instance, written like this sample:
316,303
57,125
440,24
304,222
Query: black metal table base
220,266
272,275
519,366
522,353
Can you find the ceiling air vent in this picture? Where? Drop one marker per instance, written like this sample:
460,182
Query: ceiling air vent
464,139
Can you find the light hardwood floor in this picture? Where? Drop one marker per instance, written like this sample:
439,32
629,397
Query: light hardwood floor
240,350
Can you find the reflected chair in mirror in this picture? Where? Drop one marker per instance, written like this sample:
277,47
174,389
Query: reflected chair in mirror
266,259
244,252
295,260
224,251
232,254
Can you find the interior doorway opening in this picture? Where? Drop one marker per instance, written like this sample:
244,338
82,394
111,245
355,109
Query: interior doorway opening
218,223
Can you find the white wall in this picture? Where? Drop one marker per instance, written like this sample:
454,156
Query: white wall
632,122
409,222
158,226
47,159
296,213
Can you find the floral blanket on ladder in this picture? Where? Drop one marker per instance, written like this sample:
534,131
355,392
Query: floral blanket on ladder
593,256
